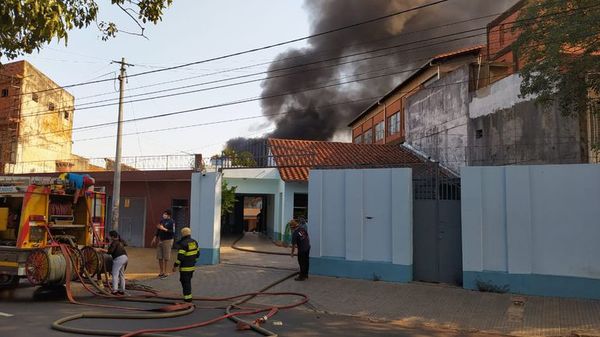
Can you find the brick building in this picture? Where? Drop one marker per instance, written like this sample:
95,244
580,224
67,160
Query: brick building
500,37
36,118
464,108
384,121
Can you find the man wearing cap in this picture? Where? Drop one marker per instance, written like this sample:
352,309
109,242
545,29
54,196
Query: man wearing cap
186,261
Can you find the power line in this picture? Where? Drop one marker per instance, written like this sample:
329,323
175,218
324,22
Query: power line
229,120
303,56
209,107
238,102
296,66
253,49
91,106
214,106
297,39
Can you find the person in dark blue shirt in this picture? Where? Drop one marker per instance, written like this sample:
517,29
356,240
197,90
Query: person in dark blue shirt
301,241
163,239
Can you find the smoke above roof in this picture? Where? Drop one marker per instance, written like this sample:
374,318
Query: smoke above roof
322,113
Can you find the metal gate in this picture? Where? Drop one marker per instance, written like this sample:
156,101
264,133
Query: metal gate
437,245
132,220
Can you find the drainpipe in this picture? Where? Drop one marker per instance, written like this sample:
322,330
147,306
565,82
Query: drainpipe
479,61
431,64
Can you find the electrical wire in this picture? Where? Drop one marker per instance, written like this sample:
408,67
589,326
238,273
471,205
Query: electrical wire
412,9
209,107
296,66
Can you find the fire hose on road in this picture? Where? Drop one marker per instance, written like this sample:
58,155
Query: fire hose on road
69,263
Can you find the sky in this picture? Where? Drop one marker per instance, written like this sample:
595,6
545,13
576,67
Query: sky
190,31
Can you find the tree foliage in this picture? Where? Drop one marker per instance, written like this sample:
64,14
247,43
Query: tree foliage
558,46
227,198
242,159
26,25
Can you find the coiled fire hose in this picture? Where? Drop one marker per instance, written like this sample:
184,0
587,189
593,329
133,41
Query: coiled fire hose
173,309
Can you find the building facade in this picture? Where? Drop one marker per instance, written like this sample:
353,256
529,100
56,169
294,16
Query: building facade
465,109
36,118
384,121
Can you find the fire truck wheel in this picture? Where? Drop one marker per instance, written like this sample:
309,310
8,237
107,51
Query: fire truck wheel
8,281
37,267
91,260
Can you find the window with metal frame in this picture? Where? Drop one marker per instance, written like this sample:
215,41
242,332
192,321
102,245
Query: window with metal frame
379,131
394,123
368,137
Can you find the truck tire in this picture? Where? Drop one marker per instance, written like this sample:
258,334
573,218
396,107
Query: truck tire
8,281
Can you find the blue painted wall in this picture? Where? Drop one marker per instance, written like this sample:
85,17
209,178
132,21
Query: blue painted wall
532,229
366,270
360,223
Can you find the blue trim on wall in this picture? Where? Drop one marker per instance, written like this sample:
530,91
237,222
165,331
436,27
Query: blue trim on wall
366,270
209,256
534,284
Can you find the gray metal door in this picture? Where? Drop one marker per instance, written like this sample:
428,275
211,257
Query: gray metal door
425,241
437,240
132,220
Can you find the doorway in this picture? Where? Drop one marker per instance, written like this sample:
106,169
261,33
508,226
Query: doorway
132,220
181,215
250,214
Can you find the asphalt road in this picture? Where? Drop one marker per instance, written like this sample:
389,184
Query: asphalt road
26,312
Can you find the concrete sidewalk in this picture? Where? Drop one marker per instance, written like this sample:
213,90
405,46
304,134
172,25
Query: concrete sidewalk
410,305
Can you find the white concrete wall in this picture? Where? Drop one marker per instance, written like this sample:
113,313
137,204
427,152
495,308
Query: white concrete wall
500,95
360,223
437,117
533,227
205,215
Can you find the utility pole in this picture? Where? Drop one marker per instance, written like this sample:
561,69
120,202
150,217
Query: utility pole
116,195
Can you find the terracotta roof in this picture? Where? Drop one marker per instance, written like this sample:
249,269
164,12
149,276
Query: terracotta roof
457,52
294,158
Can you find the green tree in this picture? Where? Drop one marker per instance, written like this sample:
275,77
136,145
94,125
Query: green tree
26,25
559,45
242,159
227,198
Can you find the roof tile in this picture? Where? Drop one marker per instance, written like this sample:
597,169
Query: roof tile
294,158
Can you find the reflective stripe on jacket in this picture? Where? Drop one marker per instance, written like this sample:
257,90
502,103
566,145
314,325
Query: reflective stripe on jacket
187,254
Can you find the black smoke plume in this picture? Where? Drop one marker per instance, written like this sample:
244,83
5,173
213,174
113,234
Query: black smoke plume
318,114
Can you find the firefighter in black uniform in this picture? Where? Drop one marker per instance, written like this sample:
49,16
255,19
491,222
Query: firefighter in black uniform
186,261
